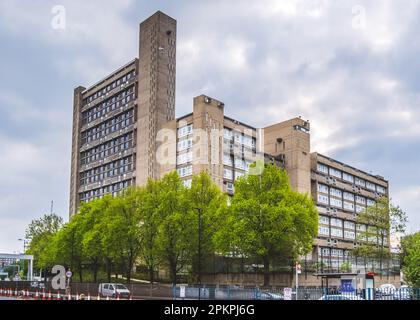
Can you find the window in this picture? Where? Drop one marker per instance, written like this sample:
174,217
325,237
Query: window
322,168
348,177
239,163
230,186
348,206
184,158
227,160
349,235
337,252
380,189
184,131
349,225
324,220
322,188
324,251
335,232
323,231
335,192
360,199
336,222
227,134
238,175
336,202
186,171
361,227
335,173
348,196
360,209
370,202
370,186
228,174
322,199
360,182
185,144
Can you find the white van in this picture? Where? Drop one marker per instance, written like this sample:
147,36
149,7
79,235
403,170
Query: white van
114,290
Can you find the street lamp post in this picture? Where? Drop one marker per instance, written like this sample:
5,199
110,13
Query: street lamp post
199,253
25,242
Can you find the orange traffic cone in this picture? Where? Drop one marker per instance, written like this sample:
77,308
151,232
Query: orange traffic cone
49,296
36,295
43,295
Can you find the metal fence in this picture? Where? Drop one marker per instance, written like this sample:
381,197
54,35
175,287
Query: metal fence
161,291
235,293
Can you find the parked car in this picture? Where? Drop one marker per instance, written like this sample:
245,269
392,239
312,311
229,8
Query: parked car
340,297
271,296
385,291
114,290
404,293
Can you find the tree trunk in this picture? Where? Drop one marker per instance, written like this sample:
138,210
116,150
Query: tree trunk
151,275
173,268
266,271
95,272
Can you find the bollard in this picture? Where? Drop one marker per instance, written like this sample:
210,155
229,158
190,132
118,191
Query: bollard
36,295
58,296
49,296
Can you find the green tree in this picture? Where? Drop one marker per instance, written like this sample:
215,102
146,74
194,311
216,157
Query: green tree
205,200
121,230
269,220
411,259
175,227
380,220
149,214
92,216
40,233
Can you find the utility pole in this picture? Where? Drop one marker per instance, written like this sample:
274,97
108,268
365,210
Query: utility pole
199,254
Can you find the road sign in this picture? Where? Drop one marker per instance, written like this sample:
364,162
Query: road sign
182,291
287,292
69,274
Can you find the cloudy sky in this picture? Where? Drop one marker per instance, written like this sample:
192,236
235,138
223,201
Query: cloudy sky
351,67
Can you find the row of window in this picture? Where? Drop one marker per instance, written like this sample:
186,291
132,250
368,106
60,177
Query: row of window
350,206
184,158
326,252
236,162
110,87
119,122
334,227
100,192
109,170
185,171
109,148
344,195
109,105
185,131
229,174
185,144
239,137
350,178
